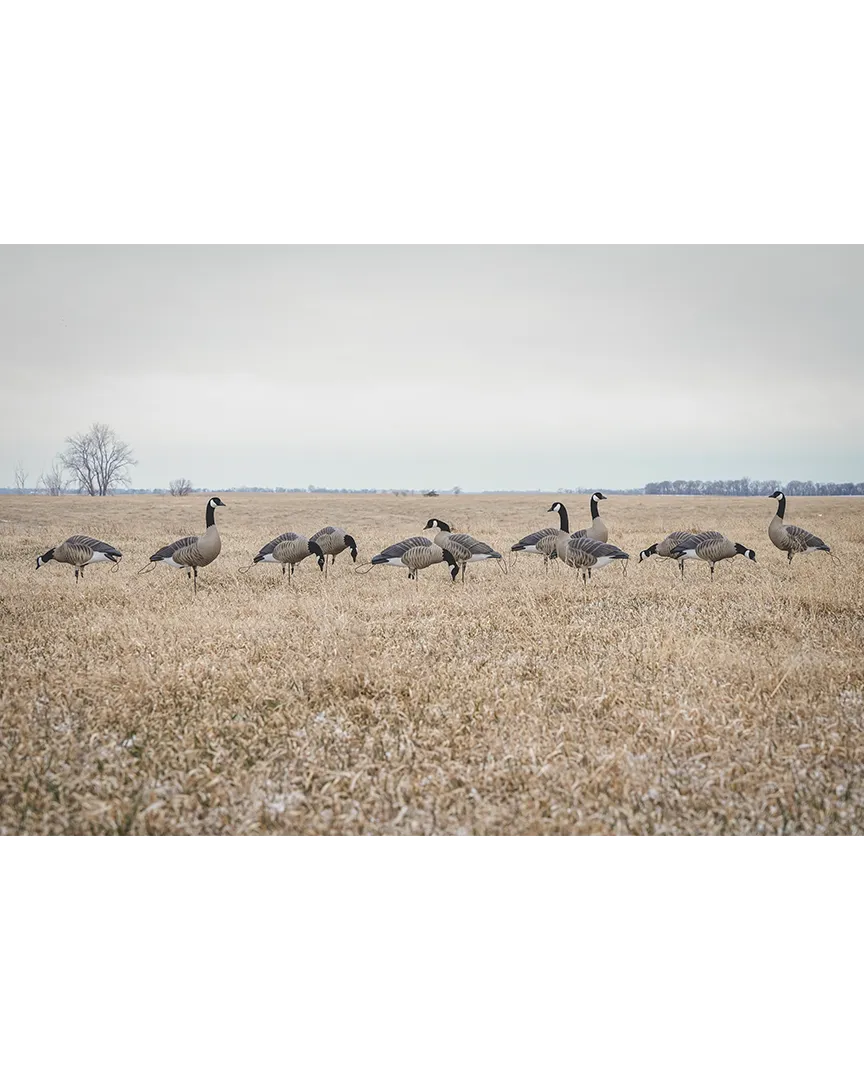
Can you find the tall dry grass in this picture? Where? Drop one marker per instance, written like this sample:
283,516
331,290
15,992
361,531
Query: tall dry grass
520,703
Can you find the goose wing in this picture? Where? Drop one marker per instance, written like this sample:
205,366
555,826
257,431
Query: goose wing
476,547
94,545
532,538
802,539
268,549
170,551
396,551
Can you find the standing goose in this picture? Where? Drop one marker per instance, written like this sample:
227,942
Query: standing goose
80,551
192,552
792,538
543,541
712,548
332,540
289,548
417,553
464,547
667,547
585,554
597,529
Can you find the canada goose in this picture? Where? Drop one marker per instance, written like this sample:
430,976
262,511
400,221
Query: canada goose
543,541
597,529
585,554
194,551
80,551
417,552
712,548
464,547
792,538
666,548
333,540
289,548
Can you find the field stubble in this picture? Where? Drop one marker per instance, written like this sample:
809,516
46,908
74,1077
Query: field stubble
519,703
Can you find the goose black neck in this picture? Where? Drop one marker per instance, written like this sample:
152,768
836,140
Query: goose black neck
781,507
565,519
595,513
211,514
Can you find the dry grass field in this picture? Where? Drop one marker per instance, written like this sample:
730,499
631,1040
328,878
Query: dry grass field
519,703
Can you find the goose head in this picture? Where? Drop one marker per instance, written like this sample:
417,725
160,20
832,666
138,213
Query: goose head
315,550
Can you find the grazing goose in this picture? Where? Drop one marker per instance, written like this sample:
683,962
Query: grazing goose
712,548
543,541
585,554
193,551
289,548
80,551
597,530
417,552
667,547
792,538
464,547
333,540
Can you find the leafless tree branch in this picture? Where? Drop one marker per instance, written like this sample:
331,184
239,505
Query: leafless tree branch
98,460
20,476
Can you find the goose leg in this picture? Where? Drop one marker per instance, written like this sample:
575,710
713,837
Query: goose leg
712,571
545,564
76,575
283,569
195,580
681,566
789,556
463,573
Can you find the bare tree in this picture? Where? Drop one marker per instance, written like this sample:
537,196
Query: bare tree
20,476
181,486
54,481
98,460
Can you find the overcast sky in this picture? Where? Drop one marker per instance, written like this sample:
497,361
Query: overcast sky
487,367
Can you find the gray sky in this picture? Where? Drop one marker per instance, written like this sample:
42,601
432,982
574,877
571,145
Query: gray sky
487,367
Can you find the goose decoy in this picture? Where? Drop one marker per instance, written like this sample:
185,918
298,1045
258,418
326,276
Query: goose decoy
80,551
791,538
332,540
597,529
289,549
464,547
193,552
585,554
543,541
667,547
713,549
417,553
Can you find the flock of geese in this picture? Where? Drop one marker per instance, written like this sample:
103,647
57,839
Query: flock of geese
584,550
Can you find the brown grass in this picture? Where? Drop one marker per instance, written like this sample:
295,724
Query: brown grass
520,703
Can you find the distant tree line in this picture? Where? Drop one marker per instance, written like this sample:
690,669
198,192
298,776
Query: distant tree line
746,486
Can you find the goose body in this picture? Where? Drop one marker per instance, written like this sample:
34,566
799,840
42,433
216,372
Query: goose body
791,538
333,541
288,549
464,547
583,553
417,553
80,551
712,548
192,552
